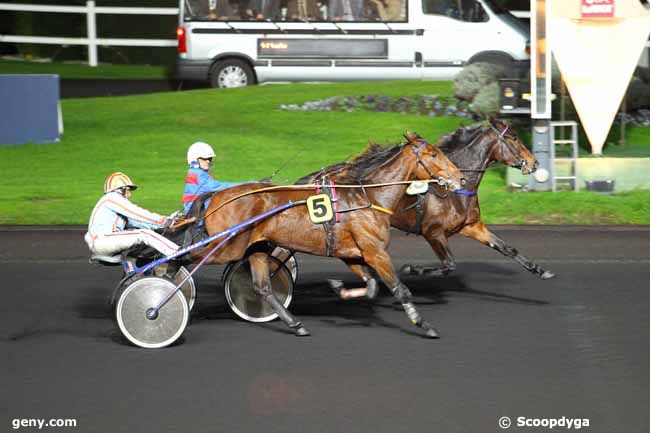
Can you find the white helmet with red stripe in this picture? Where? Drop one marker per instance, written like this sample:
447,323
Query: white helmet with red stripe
199,150
116,181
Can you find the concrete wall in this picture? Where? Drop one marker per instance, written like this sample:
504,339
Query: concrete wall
628,173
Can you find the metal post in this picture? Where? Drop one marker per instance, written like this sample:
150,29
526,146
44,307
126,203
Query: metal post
540,107
543,152
91,25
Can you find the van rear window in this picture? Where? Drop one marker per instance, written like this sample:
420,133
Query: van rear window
297,10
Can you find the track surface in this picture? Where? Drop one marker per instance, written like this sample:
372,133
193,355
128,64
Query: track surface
512,345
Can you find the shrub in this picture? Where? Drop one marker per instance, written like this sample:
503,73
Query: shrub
638,95
486,102
474,77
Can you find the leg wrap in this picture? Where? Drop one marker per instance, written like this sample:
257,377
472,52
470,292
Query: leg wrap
402,293
373,289
282,312
412,313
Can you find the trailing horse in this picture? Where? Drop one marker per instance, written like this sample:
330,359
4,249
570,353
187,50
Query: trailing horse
437,216
360,237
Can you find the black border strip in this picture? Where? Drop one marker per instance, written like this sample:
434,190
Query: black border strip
350,64
304,32
321,63
443,64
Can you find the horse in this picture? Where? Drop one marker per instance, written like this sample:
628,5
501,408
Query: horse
361,236
438,216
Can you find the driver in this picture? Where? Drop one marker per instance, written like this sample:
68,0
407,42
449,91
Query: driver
116,224
198,181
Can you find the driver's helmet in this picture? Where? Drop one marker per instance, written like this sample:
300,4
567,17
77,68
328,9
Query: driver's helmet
199,150
117,181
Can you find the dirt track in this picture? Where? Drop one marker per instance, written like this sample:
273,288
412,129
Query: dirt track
512,345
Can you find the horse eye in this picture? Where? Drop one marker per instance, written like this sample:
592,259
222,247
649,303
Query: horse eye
433,154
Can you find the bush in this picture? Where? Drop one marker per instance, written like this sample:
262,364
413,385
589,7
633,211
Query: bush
475,77
638,95
486,102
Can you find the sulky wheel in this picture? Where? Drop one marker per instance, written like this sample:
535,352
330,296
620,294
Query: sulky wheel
140,297
244,302
188,289
288,259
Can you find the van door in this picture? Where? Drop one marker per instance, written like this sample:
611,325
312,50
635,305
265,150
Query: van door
454,31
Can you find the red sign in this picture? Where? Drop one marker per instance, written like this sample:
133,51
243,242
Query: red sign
597,9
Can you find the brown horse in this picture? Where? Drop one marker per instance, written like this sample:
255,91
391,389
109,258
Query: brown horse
437,216
473,149
360,238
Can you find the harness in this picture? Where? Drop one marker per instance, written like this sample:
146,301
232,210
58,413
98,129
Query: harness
326,186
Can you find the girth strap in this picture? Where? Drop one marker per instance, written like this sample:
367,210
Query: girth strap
419,213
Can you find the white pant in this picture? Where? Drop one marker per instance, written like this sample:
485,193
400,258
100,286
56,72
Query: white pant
114,243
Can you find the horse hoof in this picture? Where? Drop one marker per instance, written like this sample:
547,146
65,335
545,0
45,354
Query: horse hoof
302,332
372,292
406,270
547,275
336,286
432,333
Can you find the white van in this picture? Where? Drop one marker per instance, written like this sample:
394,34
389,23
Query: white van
255,41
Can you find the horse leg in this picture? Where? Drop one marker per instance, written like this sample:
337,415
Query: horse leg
440,247
380,261
262,286
481,233
363,271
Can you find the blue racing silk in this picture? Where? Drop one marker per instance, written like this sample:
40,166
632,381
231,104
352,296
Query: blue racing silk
199,181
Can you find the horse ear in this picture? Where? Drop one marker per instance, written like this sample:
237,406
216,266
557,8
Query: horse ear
411,137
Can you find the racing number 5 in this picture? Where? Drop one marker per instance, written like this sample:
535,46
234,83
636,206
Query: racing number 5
320,208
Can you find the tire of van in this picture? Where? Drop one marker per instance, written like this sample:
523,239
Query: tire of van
230,73
502,60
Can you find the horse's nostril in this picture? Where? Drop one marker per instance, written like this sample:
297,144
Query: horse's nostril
463,181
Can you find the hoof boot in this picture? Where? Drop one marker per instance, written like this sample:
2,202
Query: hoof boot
547,275
302,332
432,333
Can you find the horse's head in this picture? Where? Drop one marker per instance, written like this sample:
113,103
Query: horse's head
433,164
509,149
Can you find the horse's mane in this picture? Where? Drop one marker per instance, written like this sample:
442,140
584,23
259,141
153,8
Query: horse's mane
460,138
356,170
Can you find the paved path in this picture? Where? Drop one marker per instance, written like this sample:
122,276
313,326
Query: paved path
512,345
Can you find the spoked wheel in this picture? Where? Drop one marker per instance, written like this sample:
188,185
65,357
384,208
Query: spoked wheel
244,302
140,297
188,289
289,260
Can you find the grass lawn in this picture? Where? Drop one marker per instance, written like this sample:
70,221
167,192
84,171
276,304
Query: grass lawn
147,137
75,70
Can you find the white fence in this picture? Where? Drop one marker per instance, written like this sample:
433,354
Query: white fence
91,40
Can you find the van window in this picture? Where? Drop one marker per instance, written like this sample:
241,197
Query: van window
463,10
296,10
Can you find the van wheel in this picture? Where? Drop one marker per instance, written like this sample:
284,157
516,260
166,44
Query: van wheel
501,61
231,73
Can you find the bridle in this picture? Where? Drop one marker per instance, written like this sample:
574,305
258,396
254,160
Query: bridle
501,138
441,180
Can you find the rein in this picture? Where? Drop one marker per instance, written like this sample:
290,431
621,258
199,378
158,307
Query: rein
305,188
416,150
